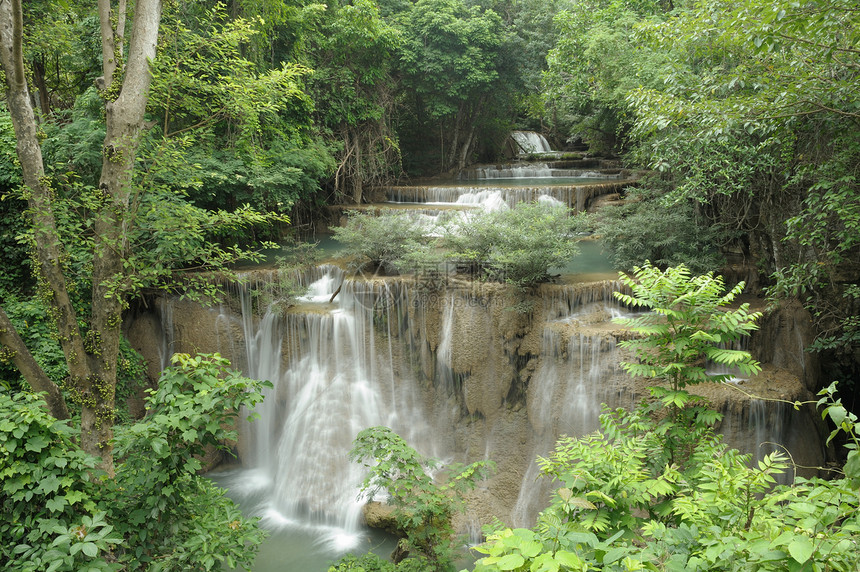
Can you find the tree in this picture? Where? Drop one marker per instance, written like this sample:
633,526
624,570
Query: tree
594,63
687,325
91,355
131,236
354,90
379,238
757,121
451,61
647,227
519,246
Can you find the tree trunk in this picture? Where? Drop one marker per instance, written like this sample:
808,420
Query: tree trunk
92,362
39,80
467,147
52,282
357,180
124,120
455,138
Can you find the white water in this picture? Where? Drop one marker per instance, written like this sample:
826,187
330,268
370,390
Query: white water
339,379
362,360
538,171
531,142
493,197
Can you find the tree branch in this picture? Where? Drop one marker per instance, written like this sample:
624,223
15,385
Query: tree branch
33,373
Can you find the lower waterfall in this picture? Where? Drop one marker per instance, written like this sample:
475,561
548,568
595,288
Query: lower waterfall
452,366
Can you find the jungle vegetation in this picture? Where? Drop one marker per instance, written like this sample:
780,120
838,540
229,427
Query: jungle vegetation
140,142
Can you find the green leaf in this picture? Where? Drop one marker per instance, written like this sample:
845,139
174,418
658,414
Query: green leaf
569,559
56,504
801,549
510,562
90,549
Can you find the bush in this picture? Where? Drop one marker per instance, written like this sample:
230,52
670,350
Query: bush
379,238
60,513
422,507
667,234
518,246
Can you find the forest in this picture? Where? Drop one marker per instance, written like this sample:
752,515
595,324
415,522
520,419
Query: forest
145,144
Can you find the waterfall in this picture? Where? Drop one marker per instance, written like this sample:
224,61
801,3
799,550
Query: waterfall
564,398
537,171
531,142
333,375
494,196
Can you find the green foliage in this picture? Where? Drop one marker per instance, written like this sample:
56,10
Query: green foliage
458,75
353,54
13,275
647,227
241,135
686,323
31,320
519,246
627,501
379,238
201,79
423,506
74,139
617,510
46,493
366,563
171,517
845,422
757,116
158,513
593,65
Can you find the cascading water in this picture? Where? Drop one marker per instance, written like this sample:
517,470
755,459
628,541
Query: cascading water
531,142
453,370
333,376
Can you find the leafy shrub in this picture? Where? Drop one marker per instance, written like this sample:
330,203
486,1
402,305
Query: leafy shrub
649,228
15,270
61,514
422,507
519,246
51,518
379,238
172,518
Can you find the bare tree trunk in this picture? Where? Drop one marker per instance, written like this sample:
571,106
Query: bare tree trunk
39,80
357,181
455,138
467,147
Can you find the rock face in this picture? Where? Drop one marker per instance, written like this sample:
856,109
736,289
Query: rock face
499,379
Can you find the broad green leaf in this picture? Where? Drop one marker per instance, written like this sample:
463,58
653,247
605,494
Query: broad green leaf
801,548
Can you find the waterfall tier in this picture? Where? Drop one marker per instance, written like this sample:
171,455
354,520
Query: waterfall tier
454,370
531,142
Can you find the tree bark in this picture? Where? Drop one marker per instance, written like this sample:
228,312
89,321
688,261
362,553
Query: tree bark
41,85
18,353
124,121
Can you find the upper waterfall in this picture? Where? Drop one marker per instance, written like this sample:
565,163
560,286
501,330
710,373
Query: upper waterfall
531,142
